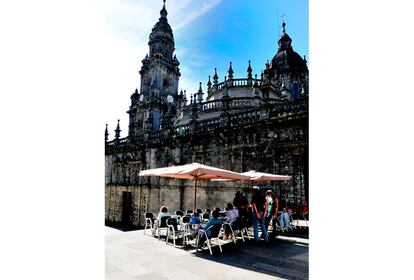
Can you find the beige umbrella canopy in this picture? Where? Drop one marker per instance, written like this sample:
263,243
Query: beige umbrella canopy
194,171
264,177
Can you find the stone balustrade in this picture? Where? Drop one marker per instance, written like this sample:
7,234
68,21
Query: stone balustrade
241,82
246,117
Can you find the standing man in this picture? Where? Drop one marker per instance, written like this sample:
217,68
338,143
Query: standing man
259,207
275,215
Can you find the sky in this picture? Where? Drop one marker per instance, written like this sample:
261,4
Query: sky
207,33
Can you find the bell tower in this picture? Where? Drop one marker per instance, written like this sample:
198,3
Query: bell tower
159,81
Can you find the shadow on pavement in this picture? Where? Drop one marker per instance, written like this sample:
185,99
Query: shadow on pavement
281,258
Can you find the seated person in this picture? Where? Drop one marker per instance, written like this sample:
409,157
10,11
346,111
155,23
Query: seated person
195,218
213,221
231,217
304,208
283,218
163,213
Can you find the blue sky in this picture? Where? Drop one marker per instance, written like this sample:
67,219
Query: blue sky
208,34
238,31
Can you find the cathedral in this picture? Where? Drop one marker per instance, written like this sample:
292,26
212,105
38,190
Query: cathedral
240,124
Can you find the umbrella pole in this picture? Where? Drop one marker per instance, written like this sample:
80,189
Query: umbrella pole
195,194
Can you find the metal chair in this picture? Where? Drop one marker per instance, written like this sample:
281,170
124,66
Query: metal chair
162,225
304,218
292,225
185,219
149,221
226,224
215,234
180,213
205,217
174,232
242,231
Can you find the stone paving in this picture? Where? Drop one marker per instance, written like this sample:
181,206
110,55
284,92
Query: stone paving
133,255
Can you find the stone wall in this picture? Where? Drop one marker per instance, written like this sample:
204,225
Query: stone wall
173,193
275,144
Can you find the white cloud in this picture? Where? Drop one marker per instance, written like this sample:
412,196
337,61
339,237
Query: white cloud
197,10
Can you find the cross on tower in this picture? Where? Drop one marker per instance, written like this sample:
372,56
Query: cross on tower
284,23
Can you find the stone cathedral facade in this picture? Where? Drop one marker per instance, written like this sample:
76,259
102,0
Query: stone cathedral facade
240,124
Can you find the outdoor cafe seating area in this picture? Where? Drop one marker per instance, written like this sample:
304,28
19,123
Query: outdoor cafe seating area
175,229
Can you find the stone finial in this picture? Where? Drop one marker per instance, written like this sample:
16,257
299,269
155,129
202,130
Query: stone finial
208,83
200,94
106,133
184,102
117,131
215,77
230,72
284,26
249,71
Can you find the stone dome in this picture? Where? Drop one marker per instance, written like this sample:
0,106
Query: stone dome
286,59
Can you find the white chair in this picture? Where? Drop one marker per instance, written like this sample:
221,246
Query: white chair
292,225
215,234
304,218
231,229
149,218
161,225
174,232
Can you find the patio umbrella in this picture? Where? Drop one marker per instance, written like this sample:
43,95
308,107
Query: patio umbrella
194,171
264,177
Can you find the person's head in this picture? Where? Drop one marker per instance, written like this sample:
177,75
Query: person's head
164,209
238,194
269,193
255,190
215,213
229,206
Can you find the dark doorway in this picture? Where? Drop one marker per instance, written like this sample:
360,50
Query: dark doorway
127,209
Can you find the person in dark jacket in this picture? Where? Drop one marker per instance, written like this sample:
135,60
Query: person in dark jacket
241,203
259,207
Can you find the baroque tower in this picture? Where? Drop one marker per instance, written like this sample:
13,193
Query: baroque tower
288,69
157,99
